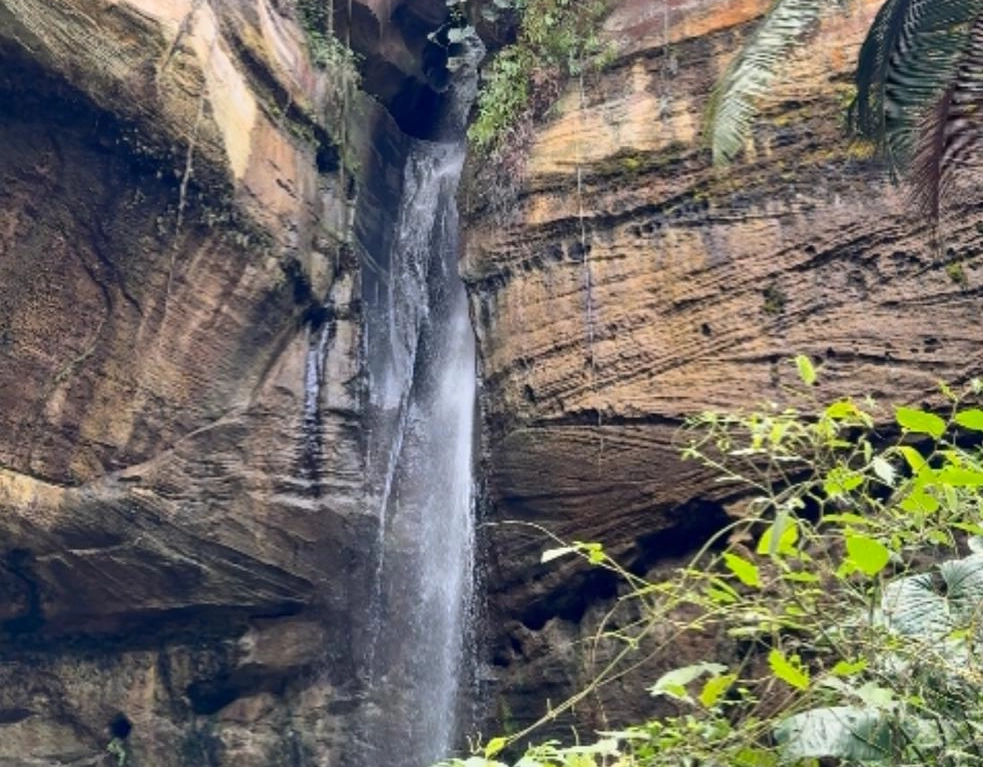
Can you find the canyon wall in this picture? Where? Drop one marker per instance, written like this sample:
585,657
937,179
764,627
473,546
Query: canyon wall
186,206
624,283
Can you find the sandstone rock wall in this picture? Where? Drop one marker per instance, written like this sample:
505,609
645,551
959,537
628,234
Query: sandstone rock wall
626,283
185,205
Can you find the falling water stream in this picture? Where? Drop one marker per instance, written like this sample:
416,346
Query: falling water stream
421,361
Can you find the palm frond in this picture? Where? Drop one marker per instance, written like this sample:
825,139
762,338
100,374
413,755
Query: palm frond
951,135
733,103
906,63
867,110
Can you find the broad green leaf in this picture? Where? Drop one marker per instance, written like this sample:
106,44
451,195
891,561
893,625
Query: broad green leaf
960,477
746,572
494,746
847,668
914,607
806,371
964,588
789,670
714,688
838,732
920,421
928,608
868,555
970,419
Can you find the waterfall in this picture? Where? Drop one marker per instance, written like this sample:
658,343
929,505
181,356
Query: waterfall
421,360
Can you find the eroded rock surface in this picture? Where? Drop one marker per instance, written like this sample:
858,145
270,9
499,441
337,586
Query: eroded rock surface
184,204
625,283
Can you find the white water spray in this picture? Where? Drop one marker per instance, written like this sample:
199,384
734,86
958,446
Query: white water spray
421,356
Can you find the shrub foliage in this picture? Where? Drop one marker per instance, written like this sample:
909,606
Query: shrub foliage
851,584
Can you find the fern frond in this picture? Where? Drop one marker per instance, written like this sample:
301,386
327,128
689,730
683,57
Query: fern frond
951,136
906,63
733,103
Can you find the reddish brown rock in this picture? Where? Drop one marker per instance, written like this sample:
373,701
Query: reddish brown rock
626,283
184,536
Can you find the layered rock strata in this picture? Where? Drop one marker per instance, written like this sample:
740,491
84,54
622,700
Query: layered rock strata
625,283
185,208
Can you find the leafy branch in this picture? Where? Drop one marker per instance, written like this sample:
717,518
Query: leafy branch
853,578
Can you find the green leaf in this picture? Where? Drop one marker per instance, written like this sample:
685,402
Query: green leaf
844,410
970,419
928,609
848,668
673,683
494,746
868,555
841,480
746,572
787,529
964,588
790,671
755,757
836,732
801,576
847,518
721,592
876,696
733,103
919,502
959,477
914,459
806,371
714,688
920,421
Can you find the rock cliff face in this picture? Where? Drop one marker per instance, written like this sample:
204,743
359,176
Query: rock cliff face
625,283
184,204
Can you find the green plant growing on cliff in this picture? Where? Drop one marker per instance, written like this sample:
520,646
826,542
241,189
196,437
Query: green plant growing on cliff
919,80
556,38
117,750
327,50
851,585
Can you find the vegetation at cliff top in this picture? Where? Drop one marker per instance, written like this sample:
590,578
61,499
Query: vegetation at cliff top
846,599
919,78
556,39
